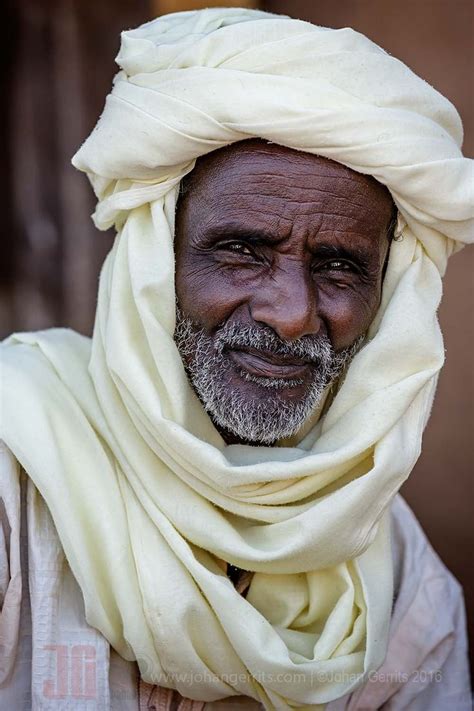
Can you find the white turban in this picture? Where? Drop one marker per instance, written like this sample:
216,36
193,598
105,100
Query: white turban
145,494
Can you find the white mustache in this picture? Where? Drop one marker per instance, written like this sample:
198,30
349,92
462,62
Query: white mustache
309,348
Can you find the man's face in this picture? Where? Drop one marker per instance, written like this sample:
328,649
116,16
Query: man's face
279,261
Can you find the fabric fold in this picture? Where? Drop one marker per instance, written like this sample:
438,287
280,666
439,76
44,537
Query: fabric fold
144,493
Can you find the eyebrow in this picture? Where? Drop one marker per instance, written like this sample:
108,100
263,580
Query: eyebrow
333,251
250,234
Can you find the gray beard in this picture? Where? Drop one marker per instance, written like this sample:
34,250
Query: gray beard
272,417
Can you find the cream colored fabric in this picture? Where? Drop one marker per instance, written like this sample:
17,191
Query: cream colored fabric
143,491
55,660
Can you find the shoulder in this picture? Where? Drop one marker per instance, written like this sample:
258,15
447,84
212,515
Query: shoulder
426,664
52,348
36,365
416,564
43,376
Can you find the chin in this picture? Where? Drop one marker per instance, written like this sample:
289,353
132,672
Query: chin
252,412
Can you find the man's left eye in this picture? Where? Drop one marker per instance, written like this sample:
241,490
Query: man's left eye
238,248
336,265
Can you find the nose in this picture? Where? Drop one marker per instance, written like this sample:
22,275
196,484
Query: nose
288,304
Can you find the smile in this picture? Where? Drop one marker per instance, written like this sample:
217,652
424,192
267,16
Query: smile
269,365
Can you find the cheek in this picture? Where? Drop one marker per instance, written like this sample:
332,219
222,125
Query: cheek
348,314
206,294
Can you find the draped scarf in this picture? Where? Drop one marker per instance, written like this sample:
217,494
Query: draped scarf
146,496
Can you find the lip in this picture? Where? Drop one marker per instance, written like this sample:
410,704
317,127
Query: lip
269,365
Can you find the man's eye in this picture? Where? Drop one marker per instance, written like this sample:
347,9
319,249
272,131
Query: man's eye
238,248
336,265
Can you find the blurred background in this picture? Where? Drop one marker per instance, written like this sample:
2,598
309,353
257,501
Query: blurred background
59,67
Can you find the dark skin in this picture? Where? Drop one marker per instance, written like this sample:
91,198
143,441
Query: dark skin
270,236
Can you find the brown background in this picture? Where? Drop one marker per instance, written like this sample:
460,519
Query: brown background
59,68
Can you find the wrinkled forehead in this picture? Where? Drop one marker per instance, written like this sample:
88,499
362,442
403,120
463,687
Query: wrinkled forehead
256,172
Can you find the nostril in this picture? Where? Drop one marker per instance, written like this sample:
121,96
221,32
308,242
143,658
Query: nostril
288,323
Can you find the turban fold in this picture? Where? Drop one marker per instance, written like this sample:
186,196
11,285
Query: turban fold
145,494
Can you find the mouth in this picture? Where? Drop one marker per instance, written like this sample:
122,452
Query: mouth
264,364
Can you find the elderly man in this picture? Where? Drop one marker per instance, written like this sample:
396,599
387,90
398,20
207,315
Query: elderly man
210,511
